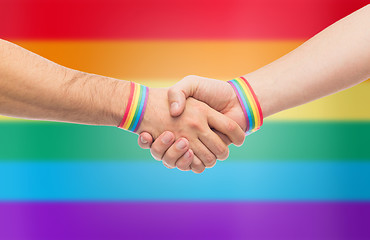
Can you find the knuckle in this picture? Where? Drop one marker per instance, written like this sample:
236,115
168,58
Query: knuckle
205,134
172,91
224,153
231,126
221,149
209,159
189,76
194,124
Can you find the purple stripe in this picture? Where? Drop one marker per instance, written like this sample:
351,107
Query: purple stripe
143,112
207,220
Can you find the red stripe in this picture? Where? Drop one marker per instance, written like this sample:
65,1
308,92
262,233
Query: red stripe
169,19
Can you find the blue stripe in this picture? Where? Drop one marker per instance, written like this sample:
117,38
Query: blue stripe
142,100
148,181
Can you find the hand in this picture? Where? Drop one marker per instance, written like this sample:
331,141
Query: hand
217,94
195,125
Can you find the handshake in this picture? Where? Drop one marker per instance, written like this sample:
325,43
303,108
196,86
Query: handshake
194,121
191,124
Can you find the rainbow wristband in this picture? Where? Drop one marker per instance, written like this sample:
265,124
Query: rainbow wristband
135,107
249,102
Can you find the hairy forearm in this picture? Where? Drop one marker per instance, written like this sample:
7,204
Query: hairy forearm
335,59
33,87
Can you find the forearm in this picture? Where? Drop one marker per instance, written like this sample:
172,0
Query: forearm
333,60
33,87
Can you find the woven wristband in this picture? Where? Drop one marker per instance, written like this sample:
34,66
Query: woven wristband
135,108
249,102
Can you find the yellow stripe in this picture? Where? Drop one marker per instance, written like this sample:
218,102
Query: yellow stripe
349,105
252,102
133,106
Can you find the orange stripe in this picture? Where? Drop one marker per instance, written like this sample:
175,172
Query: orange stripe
162,60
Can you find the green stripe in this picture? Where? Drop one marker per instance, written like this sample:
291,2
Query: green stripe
248,103
25,141
137,107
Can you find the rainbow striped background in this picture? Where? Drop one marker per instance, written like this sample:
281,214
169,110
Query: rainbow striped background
304,175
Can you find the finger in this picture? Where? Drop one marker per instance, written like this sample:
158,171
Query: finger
161,144
145,140
223,137
185,161
226,126
178,93
165,164
214,144
175,152
197,166
203,153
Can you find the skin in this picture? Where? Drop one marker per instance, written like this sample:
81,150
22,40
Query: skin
33,87
203,89
195,124
335,59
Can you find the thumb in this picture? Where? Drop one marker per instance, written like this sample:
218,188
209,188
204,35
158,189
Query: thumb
178,93
145,140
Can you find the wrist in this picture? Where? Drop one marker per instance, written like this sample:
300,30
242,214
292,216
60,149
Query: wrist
263,87
156,113
135,107
249,104
234,109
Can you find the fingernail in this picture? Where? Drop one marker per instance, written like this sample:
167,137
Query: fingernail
181,145
167,138
143,140
188,154
174,106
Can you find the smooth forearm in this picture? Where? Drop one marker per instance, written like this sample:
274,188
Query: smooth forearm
335,59
33,87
